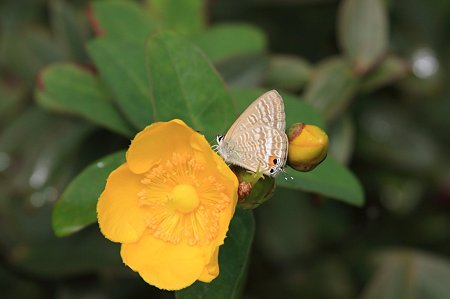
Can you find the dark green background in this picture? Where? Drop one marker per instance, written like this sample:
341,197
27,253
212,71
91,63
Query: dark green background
388,125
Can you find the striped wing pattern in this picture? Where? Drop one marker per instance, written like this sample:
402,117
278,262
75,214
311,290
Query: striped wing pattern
257,137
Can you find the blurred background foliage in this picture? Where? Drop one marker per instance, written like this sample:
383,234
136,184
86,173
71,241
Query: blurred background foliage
376,72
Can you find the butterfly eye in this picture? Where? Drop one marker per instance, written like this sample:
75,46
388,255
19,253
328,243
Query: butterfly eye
272,170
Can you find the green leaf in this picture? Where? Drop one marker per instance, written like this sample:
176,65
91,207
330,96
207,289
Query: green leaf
121,20
122,67
19,134
363,32
296,109
406,273
35,49
12,101
288,72
225,41
77,206
185,85
184,17
390,70
332,87
70,28
72,89
329,179
243,71
233,259
342,139
57,147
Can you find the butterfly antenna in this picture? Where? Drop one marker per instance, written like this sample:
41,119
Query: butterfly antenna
285,175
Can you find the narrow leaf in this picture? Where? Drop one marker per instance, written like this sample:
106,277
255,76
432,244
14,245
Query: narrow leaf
70,28
185,17
72,89
243,71
363,32
122,67
77,206
233,259
390,70
342,139
332,87
329,179
121,20
185,85
288,72
226,41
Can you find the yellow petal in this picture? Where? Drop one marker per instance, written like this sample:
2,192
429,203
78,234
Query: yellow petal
164,265
205,155
211,270
157,142
119,216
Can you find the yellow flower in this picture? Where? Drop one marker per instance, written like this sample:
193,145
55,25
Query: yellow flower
170,206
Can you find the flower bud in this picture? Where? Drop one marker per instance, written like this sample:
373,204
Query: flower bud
308,146
254,188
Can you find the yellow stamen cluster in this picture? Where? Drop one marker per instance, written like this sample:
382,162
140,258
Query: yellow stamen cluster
181,204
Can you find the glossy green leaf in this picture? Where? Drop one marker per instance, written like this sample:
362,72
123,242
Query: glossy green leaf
72,89
185,85
233,260
296,109
184,17
332,87
77,206
122,67
121,20
363,32
288,72
225,41
390,70
406,273
329,179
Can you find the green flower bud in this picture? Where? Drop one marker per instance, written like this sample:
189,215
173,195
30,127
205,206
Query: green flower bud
254,188
308,146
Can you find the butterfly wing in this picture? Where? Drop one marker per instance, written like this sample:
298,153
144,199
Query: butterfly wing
267,110
256,140
259,148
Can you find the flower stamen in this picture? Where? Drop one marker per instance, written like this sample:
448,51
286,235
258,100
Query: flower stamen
183,204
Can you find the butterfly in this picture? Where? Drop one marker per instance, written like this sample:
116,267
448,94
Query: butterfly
257,140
